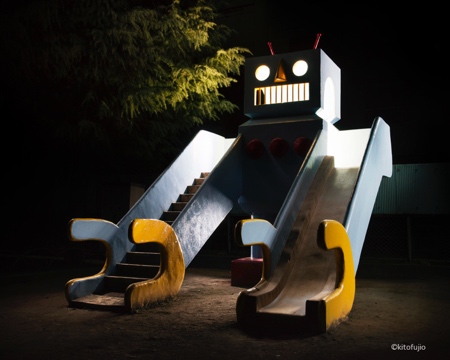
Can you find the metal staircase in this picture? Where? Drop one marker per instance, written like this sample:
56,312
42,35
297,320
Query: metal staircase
140,264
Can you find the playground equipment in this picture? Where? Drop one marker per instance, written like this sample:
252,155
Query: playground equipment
307,187
141,262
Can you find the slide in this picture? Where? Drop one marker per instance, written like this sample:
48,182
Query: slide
309,272
308,190
134,276
338,179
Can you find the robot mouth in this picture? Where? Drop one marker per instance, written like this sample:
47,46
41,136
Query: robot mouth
279,94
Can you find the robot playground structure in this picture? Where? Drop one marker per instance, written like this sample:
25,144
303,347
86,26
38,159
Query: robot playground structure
307,187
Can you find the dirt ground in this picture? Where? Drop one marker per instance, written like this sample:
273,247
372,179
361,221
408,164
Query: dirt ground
400,311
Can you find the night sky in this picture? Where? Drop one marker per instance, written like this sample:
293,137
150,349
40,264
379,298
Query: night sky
392,64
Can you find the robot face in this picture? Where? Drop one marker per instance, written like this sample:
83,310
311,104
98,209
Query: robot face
284,92
292,84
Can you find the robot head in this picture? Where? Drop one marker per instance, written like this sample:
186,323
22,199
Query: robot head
294,84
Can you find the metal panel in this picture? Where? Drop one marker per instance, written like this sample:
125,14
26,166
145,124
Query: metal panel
415,189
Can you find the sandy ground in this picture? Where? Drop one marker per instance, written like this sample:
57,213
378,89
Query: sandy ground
400,312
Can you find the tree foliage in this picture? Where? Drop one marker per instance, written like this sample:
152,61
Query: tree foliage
129,73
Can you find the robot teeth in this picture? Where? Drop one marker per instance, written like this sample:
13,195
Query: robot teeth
279,94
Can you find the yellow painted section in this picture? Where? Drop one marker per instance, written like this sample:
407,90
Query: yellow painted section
337,305
169,279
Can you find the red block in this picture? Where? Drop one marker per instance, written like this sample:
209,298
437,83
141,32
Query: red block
246,272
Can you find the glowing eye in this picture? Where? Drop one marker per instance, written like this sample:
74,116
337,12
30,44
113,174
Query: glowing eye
300,68
262,72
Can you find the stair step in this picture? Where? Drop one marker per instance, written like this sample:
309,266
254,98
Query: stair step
151,247
120,283
185,197
191,189
112,301
137,270
177,206
199,181
143,258
169,215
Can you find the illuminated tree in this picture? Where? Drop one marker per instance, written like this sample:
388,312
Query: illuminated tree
121,73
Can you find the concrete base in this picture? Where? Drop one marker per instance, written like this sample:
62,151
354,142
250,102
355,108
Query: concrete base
246,272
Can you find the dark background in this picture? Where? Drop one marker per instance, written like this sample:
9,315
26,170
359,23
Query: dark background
393,65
